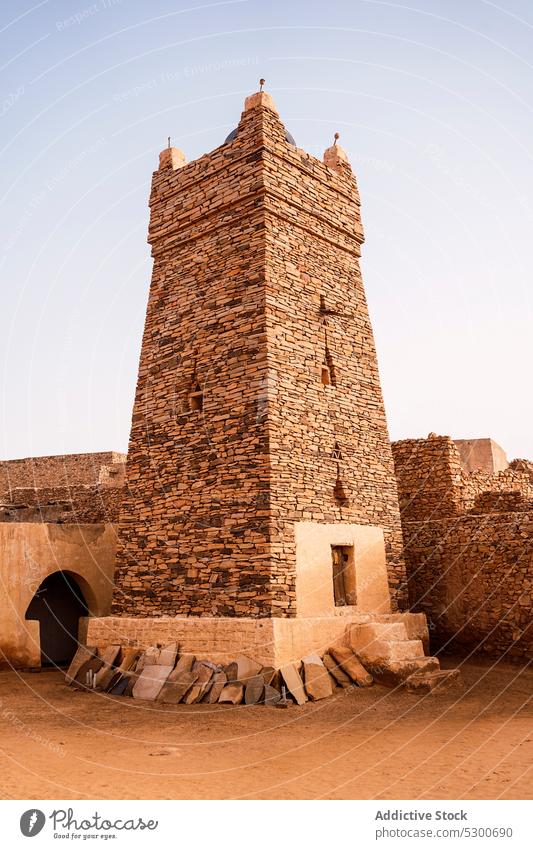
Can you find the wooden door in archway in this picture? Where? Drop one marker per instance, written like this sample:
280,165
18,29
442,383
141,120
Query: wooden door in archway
58,605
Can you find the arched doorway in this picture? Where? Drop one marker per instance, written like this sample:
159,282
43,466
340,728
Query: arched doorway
58,605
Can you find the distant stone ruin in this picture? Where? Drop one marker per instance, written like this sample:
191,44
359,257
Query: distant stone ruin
467,522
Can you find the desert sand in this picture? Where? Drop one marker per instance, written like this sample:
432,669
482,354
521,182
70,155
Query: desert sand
58,743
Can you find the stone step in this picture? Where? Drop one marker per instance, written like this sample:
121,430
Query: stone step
415,624
436,681
396,672
386,652
361,636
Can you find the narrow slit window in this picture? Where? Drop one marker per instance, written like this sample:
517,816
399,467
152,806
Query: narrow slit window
328,364
339,491
196,400
344,587
325,375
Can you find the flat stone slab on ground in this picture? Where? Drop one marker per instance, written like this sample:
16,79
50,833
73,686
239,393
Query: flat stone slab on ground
129,659
246,667
219,682
120,686
113,681
110,654
268,673
232,671
232,693
351,665
173,691
104,675
316,678
253,692
147,658
294,683
271,695
437,683
102,678
336,671
168,654
83,654
398,671
199,688
133,677
150,682
184,664
312,658
91,665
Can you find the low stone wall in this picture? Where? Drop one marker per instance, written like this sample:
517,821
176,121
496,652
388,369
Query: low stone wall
272,642
57,471
473,577
428,474
476,485
79,503
468,539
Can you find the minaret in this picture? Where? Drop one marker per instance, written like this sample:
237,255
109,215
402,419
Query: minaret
260,480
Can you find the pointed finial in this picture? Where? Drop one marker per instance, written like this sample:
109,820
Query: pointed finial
171,157
334,155
260,98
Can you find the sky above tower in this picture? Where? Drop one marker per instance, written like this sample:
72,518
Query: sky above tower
433,102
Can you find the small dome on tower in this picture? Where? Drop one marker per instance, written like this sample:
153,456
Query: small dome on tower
260,98
233,135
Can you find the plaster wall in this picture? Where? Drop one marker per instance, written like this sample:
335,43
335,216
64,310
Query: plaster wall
29,552
272,642
314,577
481,455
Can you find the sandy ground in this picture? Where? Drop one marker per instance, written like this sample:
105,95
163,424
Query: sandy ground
57,743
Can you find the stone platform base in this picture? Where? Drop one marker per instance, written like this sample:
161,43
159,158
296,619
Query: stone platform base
272,642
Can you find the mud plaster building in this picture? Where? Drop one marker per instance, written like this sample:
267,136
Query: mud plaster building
57,551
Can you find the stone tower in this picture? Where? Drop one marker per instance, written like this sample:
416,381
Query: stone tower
260,480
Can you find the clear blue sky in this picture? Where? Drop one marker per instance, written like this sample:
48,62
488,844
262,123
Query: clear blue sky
434,103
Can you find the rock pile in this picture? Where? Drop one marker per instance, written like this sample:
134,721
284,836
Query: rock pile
160,674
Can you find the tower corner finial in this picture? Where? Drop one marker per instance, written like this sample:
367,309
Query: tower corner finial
260,98
171,158
335,155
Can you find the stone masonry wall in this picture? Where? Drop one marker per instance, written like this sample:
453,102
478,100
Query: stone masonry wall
194,529
468,550
76,504
428,473
72,488
57,471
317,316
478,488
473,577
245,242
